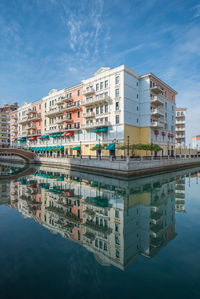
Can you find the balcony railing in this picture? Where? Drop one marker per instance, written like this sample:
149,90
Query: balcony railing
157,100
156,89
180,129
157,124
63,100
157,112
96,100
95,125
88,91
89,114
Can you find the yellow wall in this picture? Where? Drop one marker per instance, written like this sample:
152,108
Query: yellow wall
137,135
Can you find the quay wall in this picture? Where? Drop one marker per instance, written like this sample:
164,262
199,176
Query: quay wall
122,168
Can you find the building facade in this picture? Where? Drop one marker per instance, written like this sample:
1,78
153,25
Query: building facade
113,108
181,126
5,123
196,142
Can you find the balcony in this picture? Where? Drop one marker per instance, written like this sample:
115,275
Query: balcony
88,91
89,114
157,124
24,120
75,127
96,101
31,111
64,120
180,129
156,89
157,112
96,125
71,107
63,100
35,117
54,112
157,100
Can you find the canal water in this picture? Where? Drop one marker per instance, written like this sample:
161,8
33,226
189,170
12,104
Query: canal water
67,234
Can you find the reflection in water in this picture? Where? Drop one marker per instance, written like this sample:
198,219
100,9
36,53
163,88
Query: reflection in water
115,219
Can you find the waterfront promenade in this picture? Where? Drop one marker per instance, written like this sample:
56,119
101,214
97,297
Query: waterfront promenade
119,166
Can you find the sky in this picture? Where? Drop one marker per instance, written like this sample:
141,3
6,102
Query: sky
46,44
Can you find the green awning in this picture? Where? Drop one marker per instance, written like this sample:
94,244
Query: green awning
77,148
103,130
111,147
95,130
44,136
95,147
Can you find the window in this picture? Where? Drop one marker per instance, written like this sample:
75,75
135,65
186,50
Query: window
105,247
117,119
117,253
106,84
151,84
106,108
45,105
97,110
117,92
101,109
117,213
117,80
96,243
165,105
172,98
97,86
137,95
78,114
165,93
40,106
78,92
101,85
116,227
137,83
117,240
137,120
117,106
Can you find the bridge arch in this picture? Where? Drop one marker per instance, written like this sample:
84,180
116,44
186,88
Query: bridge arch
28,156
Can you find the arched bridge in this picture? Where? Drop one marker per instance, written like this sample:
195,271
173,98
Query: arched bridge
15,176
28,156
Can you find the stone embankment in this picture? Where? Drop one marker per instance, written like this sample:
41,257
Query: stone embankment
128,168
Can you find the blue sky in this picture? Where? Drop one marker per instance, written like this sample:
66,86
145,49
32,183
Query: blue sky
47,44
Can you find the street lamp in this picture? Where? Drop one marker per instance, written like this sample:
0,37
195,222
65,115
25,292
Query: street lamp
128,143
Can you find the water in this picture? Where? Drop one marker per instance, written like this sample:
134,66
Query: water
66,234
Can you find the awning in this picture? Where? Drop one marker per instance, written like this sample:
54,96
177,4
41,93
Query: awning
56,135
33,138
95,147
111,147
21,139
44,136
70,134
67,134
77,148
105,129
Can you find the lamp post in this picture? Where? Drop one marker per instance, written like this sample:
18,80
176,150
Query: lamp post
128,143
115,141
168,148
99,151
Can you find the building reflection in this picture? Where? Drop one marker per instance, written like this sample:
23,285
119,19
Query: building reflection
115,219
